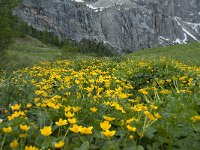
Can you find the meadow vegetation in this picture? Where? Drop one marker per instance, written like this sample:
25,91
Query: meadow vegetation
145,100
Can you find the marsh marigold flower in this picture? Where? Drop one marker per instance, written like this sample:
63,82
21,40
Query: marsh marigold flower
7,130
46,131
154,107
149,115
108,133
130,120
130,128
165,92
24,127
75,128
31,148
85,130
108,118
143,91
69,114
61,122
93,109
195,118
105,125
23,135
59,144
14,144
15,107
29,105
76,109
131,137
157,115
72,120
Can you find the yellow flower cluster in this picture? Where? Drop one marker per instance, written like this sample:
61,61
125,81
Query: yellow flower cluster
75,100
195,118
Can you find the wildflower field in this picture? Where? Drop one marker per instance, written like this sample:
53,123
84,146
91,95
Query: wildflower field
106,104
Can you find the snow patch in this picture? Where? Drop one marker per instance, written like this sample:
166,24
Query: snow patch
78,1
95,8
194,26
184,29
184,41
162,40
103,4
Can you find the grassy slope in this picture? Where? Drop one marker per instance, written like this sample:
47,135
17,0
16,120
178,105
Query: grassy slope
28,51
188,53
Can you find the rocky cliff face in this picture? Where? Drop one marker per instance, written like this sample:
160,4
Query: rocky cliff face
126,25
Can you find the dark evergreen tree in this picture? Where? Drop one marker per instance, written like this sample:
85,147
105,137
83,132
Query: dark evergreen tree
7,22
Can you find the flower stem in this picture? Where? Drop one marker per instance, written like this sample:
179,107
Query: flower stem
66,133
3,141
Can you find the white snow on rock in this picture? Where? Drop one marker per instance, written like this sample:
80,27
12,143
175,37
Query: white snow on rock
178,20
78,1
194,26
103,4
179,41
162,40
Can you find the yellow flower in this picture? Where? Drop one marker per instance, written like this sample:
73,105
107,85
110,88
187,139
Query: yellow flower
69,114
85,130
76,109
72,120
154,107
157,115
93,109
108,118
14,144
59,144
161,82
36,100
195,118
149,115
29,105
105,125
31,148
1,120
130,120
23,135
108,133
143,91
75,128
165,92
130,128
131,137
7,130
169,80
24,127
15,107
139,107
46,131
61,122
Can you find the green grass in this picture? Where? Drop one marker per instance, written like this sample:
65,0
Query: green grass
25,52
187,53
28,51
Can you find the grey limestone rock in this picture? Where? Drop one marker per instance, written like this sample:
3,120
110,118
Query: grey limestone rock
126,25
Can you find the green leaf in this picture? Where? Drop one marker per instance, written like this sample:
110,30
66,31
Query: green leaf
84,146
150,132
132,146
